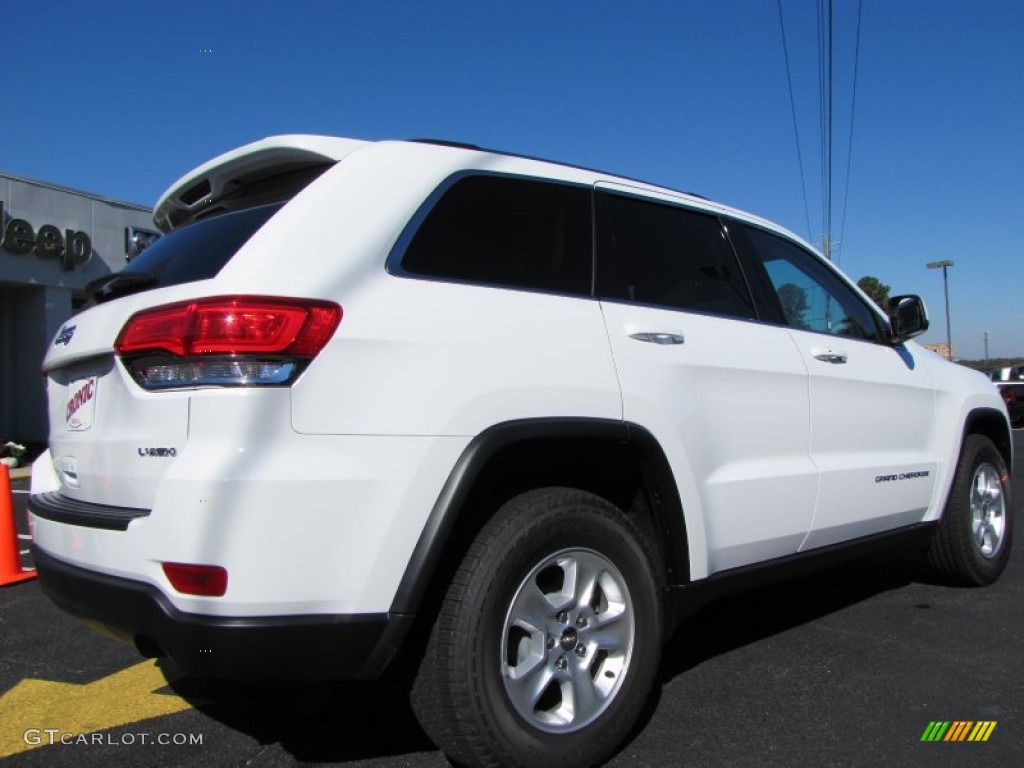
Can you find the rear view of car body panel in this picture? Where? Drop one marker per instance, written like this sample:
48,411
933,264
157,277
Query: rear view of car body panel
291,489
298,521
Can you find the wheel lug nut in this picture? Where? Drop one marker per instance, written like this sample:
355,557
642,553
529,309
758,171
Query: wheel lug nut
551,641
581,622
581,650
561,663
562,617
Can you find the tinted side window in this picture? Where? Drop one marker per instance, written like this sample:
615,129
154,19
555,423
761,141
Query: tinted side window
661,254
507,231
811,296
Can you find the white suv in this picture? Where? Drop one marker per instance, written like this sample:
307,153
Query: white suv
364,389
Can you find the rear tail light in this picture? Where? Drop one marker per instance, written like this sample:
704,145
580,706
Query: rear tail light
225,341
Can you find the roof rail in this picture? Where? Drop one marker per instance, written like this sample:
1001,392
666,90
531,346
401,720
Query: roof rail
447,143
477,147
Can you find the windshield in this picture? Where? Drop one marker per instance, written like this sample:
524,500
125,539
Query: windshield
196,252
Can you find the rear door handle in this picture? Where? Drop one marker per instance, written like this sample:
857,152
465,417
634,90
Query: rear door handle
653,337
828,356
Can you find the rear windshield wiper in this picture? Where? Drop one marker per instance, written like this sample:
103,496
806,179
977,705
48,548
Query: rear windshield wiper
119,284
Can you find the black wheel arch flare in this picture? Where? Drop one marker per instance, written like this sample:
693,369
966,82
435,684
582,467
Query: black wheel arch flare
451,506
993,425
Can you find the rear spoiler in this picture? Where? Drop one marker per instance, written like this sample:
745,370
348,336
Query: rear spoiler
266,171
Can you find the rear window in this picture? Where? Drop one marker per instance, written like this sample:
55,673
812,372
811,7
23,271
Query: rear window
196,252
506,231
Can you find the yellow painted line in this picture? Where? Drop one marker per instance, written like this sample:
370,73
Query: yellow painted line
118,699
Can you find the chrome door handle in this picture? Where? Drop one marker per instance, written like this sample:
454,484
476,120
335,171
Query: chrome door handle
836,358
658,338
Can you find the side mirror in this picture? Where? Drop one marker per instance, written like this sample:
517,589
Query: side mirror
908,317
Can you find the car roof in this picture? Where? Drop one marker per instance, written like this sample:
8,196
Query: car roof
197,193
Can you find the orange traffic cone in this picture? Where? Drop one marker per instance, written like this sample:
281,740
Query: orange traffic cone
10,559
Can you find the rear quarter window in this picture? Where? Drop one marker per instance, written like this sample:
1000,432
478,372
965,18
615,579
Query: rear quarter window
506,231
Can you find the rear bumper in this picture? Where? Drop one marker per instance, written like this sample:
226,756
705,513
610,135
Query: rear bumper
275,649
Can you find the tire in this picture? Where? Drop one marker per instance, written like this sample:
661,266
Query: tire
546,646
972,543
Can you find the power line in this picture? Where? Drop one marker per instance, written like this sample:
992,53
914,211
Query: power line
853,110
822,100
828,187
825,106
825,11
796,131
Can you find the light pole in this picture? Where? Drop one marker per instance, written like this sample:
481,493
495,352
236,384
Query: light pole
945,265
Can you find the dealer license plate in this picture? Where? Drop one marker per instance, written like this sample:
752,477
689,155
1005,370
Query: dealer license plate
81,404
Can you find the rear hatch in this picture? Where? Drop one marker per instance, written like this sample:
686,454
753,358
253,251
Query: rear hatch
111,438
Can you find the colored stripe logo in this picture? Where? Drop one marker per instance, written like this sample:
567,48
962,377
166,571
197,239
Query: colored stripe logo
958,730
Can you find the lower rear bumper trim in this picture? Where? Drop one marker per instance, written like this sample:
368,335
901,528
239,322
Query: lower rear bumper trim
270,649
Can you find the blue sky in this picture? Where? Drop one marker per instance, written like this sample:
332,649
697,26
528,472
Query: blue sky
121,98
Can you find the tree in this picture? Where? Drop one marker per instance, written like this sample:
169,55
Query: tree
794,304
876,290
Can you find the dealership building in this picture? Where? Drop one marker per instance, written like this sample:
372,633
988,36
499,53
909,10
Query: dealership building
53,241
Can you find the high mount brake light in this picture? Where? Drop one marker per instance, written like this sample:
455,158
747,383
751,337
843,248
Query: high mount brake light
225,341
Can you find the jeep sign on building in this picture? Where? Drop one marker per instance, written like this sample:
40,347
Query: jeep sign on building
53,241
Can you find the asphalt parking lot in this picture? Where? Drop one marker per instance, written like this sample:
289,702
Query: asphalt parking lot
843,668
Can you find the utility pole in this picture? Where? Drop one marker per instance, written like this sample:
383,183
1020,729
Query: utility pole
826,250
827,246
945,265
986,349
